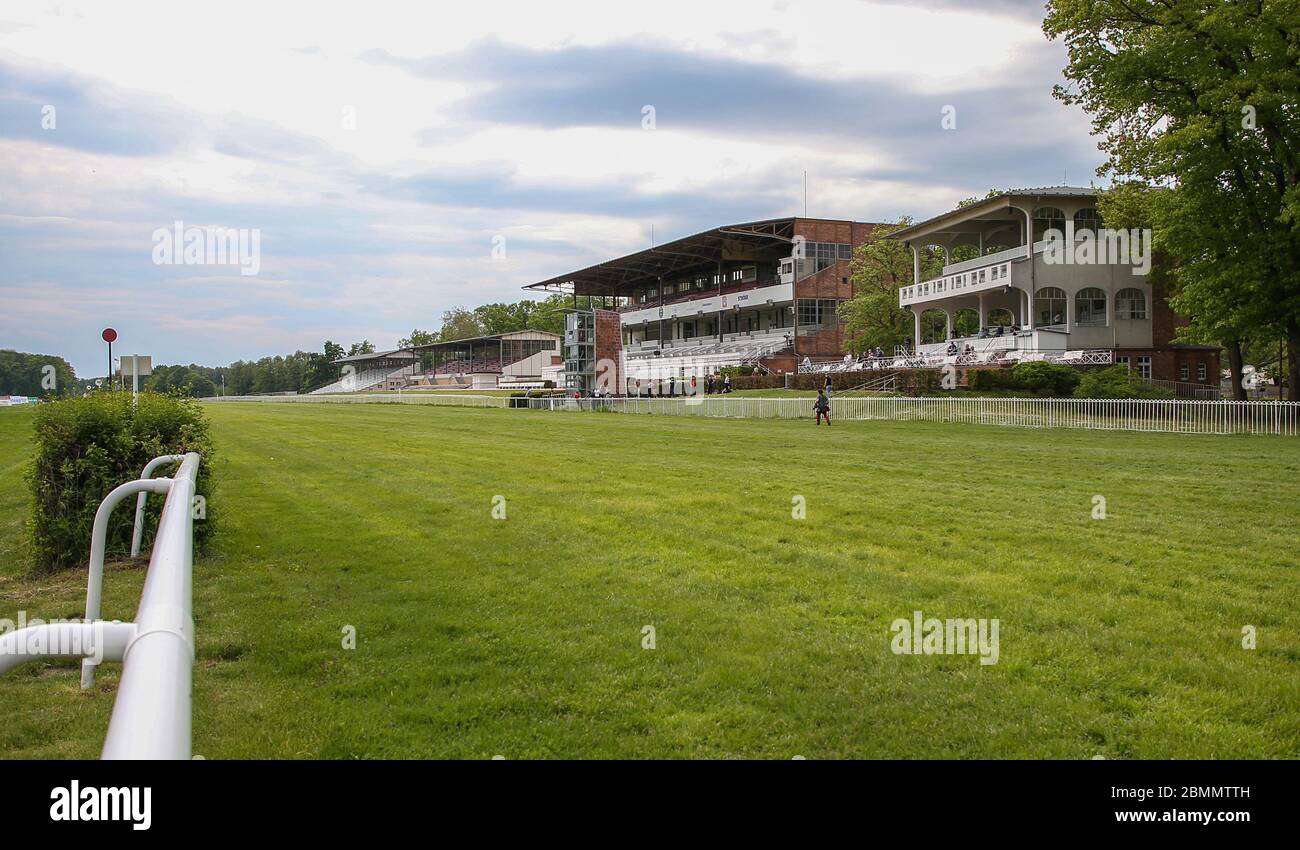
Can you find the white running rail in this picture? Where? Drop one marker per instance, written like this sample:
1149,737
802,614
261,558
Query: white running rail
151,715
1179,416
1176,416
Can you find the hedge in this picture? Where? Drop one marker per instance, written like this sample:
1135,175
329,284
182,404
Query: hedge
87,446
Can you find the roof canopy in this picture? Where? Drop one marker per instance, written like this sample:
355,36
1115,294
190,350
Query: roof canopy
976,216
476,340
730,242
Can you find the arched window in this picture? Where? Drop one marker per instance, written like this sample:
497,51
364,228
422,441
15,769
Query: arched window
1087,219
1047,218
1130,304
1000,316
1090,307
1049,303
966,321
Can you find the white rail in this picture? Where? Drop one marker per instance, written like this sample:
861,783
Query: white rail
434,397
1180,416
151,715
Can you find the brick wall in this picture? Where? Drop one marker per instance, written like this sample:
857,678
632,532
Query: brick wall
609,346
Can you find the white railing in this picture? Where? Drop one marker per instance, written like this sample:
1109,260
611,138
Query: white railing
151,715
438,398
984,357
1182,416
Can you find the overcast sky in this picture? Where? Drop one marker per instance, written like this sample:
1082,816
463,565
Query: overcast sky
382,151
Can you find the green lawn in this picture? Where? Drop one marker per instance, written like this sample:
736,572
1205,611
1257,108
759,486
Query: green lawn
522,637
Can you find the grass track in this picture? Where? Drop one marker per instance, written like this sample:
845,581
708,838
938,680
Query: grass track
523,637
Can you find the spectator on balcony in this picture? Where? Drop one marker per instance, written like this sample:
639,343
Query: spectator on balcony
952,349
822,407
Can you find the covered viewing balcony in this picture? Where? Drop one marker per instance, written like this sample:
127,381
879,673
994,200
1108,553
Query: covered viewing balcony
1003,287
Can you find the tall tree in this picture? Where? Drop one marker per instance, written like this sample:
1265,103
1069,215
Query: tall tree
879,268
1200,98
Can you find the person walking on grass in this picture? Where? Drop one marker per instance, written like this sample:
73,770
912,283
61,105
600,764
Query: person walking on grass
823,407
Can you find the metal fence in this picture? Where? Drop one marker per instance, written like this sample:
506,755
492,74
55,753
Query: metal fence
432,397
1179,416
151,714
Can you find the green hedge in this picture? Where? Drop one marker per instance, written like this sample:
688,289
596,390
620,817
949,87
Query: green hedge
1118,381
1051,380
87,446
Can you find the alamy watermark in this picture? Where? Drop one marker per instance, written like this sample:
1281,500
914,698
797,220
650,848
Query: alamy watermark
86,642
1105,246
204,246
968,636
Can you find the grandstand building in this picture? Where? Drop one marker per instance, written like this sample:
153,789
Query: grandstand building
762,293
1022,303
524,358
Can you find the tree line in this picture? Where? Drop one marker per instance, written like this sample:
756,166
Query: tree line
34,375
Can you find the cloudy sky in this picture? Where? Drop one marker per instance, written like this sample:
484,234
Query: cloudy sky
381,151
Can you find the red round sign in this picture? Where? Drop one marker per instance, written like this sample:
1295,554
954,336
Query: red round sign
109,335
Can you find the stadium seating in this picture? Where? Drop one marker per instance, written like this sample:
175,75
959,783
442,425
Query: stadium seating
364,380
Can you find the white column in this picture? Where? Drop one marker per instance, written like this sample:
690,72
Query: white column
983,312
916,340
947,334
1069,311
916,265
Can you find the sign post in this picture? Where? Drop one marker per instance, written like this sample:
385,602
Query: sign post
140,365
109,335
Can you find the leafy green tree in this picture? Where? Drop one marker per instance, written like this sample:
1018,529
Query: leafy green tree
459,323
36,375
1200,98
363,347
879,268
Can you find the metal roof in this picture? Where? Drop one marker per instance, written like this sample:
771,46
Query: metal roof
993,204
696,250
397,353
469,340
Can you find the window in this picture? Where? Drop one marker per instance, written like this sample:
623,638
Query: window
822,255
1122,361
1183,372
1048,218
1087,219
668,289
737,274
1090,307
819,312
1144,367
1130,304
1050,304
1200,372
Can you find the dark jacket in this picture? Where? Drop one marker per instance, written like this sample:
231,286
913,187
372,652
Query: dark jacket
822,404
